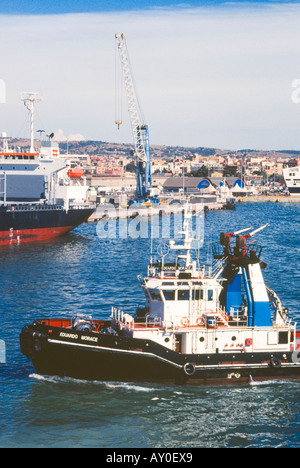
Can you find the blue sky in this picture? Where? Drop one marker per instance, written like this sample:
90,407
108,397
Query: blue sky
88,6
208,73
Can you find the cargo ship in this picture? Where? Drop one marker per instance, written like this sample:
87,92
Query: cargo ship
200,325
41,195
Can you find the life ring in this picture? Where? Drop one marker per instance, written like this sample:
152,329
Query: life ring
185,322
189,369
200,321
275,363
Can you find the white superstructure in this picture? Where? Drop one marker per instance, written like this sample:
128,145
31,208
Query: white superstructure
292,180
186,313
39,176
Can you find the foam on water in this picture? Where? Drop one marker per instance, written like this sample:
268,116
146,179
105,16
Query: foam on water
109,385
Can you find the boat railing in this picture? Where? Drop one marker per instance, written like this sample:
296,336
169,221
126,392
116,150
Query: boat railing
80,206
238,316
276,304
32,207
218,267
219,252
121,318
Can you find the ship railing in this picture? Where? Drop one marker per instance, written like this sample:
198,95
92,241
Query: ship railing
147,322
238,316
276,304
117,314
218,267
218,251
124,319
78,205
32,207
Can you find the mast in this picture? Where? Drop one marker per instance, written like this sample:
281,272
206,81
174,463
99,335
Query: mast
29,100
187,239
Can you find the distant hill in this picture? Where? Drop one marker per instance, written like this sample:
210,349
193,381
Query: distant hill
95,148
101,147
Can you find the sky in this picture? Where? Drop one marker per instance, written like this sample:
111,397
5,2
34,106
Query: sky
208,73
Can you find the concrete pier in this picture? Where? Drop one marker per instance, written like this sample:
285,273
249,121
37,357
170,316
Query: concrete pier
268,199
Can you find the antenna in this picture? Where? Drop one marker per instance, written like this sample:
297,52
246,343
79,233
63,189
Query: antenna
40,132
29,99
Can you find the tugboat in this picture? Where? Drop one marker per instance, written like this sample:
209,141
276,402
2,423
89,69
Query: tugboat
223,325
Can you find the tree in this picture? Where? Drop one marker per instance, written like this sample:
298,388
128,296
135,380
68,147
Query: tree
131,167
230,171
202,172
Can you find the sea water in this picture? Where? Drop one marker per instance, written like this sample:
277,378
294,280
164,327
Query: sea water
81,272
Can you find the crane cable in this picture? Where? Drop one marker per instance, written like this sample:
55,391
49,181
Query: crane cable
118,91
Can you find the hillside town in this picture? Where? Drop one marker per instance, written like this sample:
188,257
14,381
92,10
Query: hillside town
111,166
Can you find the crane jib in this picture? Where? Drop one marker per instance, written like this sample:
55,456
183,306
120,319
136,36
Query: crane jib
140,130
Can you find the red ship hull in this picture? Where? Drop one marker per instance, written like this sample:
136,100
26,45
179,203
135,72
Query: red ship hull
32,235
31,223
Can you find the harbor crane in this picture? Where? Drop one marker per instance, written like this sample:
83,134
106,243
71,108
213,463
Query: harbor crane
139,129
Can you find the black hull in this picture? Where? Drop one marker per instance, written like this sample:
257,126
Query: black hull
27,223
40,217
66,353
294,190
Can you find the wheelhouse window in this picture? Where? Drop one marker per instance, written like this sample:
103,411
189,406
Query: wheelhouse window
169,295
183,295
210,295
198,295
155,294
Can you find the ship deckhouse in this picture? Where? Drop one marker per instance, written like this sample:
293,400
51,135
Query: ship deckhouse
179,293
292,180
196,310
184,302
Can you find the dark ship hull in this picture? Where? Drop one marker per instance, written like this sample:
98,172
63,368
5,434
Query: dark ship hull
57,349
34,222
294,190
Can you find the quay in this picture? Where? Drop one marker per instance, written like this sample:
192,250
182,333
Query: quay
148,210
103,212
268,199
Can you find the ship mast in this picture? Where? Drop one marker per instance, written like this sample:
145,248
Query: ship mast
29,100
187,239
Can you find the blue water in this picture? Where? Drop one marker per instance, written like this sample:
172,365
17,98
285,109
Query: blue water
81,272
